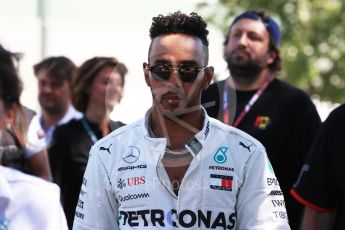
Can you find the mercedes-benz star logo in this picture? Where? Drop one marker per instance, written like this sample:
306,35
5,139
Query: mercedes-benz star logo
131,155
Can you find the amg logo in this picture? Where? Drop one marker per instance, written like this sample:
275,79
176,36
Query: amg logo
132,167
79,215
279,203
276,193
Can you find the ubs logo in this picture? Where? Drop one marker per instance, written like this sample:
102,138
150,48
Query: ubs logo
131,155
132,181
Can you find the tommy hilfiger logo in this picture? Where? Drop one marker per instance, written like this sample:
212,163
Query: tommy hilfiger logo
221,182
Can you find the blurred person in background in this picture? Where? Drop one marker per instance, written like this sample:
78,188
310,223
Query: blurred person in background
282,117
54,76
321,184
26,202
13,141
98,87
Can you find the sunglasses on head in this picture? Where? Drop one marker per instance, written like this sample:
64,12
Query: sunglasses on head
186,72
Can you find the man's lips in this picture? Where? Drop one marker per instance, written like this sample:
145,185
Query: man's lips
240,53
171,96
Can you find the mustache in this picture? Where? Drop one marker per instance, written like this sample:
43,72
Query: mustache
161,92
240,49
229,55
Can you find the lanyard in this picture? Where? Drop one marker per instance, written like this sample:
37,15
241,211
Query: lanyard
89,131
247,107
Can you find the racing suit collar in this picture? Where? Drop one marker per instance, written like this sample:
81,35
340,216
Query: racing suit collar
195,144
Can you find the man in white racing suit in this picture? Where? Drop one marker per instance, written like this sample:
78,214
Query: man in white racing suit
178,168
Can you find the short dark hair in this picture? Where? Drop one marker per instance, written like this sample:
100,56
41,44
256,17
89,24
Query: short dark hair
177,22
10,90
59,67
87,73
276,66
10,84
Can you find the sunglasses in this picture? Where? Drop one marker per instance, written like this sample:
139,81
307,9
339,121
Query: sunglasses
186,72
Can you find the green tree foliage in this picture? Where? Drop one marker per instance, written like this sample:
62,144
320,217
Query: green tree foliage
313,40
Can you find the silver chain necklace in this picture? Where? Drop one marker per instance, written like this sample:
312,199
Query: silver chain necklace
169,153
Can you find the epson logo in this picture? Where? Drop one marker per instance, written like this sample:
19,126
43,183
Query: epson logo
133,196
132,167
272,181
199,219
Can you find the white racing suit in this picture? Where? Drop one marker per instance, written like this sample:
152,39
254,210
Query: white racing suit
229,184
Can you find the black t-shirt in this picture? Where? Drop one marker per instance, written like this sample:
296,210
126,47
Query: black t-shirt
321,185
68,156
284,120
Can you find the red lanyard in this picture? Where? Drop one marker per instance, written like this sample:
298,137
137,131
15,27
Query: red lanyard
247,107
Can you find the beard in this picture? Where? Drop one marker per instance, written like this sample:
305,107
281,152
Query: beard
182,107
244,67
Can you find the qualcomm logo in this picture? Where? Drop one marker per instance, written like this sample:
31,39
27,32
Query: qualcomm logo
220,156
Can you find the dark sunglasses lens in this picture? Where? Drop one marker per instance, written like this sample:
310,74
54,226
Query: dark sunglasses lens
188,73
160,72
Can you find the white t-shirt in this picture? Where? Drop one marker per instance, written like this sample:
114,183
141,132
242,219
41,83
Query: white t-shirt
28,202
38,139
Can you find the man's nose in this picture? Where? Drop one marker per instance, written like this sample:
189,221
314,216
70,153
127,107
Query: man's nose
174,77
46,89
243,40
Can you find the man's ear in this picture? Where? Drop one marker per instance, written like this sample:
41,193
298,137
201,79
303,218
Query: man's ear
146,74
272,57
209,71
